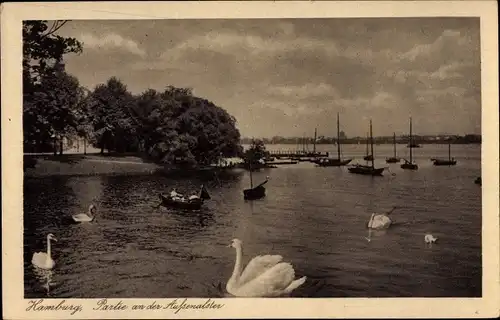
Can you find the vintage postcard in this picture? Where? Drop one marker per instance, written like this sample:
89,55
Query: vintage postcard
302,159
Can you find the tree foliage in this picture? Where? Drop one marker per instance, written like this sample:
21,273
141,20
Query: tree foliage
177,127
49,93
49,111
170,126
109,115
256,152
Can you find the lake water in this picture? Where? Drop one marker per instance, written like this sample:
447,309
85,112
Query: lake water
315,217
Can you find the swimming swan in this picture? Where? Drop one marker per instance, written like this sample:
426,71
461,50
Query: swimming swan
86,217
430,239
264,276
44,260
380,221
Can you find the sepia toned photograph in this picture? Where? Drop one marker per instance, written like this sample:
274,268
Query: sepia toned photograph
254,158
187,161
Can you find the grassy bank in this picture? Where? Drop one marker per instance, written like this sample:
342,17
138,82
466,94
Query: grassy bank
41,165
78,164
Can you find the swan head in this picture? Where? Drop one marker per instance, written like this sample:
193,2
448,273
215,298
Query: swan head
92,209
50,236
236,243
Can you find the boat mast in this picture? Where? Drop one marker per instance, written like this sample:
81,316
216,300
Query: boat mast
394,142
371,145
411,143
367,142
314,146
251,179
449,150
338,136
304,143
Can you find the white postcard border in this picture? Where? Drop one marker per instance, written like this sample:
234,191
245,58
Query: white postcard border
15,306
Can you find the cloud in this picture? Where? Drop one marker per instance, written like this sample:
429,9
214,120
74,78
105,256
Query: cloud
462,46
301,69
111,41
232,43
451,92
446,72
305,91
381,99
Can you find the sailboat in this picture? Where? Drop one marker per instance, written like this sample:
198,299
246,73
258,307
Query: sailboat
364,169
334,162
368,157
257,192
409,165
450,162
393,159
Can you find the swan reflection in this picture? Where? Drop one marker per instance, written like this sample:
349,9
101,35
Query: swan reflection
45,278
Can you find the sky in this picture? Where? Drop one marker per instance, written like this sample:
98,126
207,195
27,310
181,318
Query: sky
287,77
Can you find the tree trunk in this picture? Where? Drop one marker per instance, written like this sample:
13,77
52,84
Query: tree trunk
55,146
60,146
84,145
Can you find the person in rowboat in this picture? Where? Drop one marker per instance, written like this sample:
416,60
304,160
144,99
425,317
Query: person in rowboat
175,195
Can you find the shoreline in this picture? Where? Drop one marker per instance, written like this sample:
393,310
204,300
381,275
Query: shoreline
48,165
41,165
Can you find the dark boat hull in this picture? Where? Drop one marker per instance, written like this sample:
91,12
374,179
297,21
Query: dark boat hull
255,193
365,170
333,162
368,158
184,205
409,166
438,162
392,160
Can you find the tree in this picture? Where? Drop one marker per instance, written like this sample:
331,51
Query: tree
84,127
42,46
256,152
111,120
43,74
177,127
50,112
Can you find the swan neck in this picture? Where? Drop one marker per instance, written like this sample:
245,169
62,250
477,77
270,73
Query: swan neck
48,248
237,265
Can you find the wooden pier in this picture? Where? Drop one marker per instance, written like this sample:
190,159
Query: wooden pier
297,154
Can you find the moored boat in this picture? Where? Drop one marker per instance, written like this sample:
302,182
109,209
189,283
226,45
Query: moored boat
364,169
368,156
394,158
409,165
330,162
254,193
443,162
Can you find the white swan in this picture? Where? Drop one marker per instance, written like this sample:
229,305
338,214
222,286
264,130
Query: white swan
381,220
430,239
44,260
264,276
86,217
